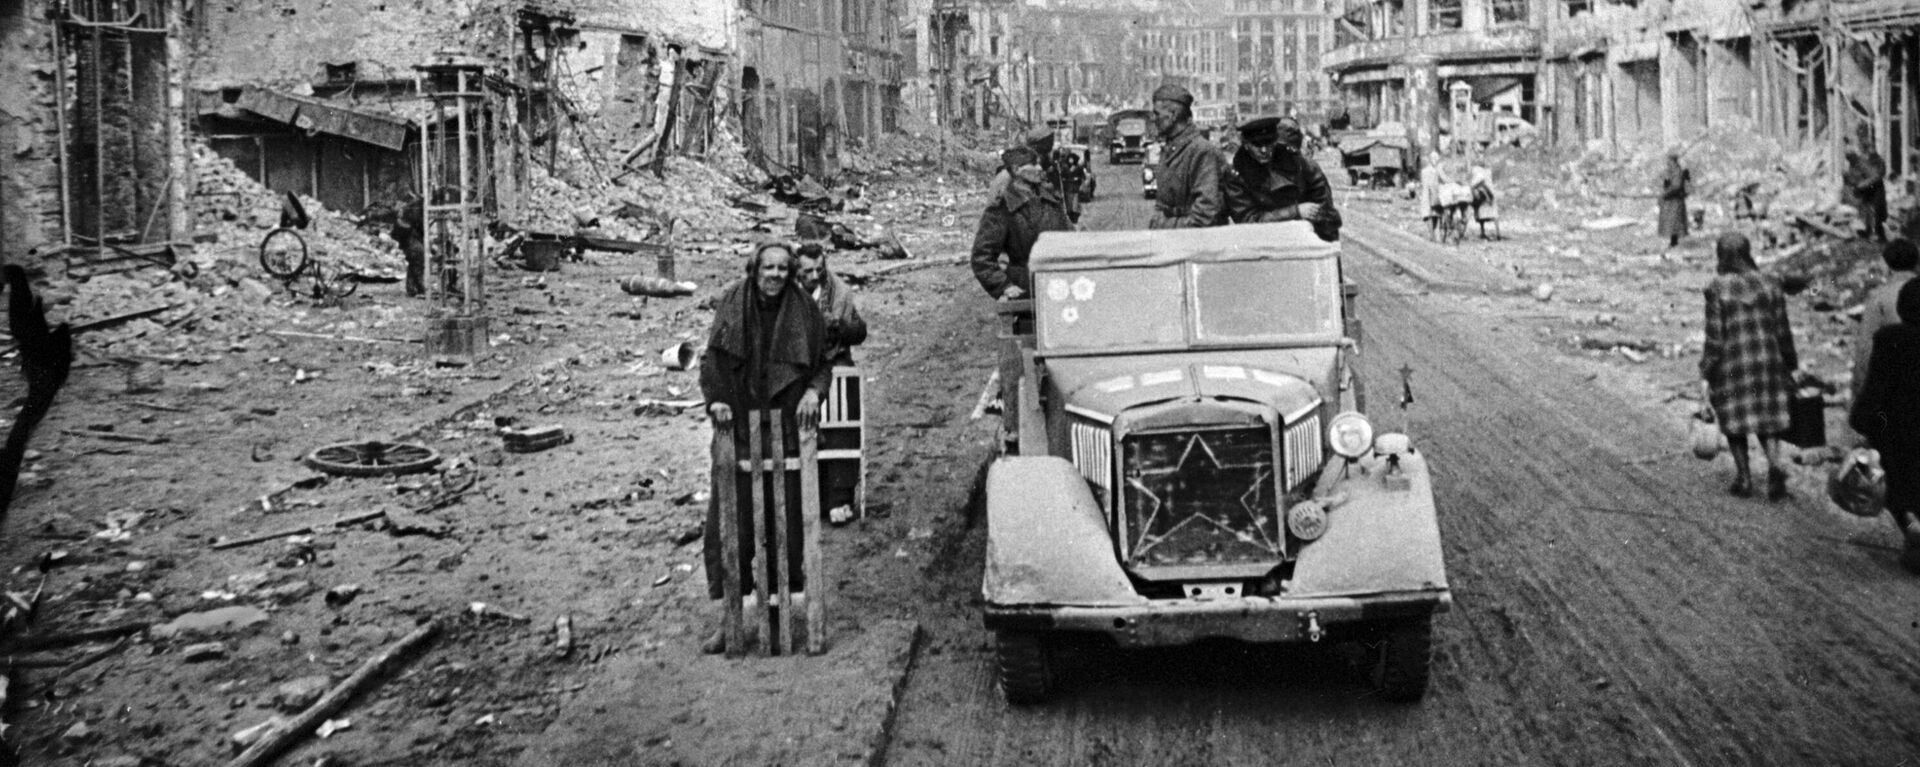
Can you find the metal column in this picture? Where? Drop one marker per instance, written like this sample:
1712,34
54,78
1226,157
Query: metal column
454,174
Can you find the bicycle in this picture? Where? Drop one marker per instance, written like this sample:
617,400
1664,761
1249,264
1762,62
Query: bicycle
285,255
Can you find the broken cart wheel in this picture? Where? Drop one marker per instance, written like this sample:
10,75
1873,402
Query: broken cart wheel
372,458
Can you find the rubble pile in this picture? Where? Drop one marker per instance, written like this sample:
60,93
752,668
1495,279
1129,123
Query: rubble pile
233,212
638,206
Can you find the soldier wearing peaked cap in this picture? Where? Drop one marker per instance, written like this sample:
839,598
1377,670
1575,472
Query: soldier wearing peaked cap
1190,166
1270,180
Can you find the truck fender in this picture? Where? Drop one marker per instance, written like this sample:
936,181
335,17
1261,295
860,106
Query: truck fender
1047,539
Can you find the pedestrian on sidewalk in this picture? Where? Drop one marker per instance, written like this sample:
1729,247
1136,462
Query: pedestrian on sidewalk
1902,258
767,350
1433,176
1190,166
1675,184
1748,361
1887,413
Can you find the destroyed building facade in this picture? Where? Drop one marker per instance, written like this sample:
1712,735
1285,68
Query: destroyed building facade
102,102
1633,74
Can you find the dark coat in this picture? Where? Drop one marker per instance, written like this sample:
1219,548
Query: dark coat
1259,192
1887,411
1010,225
1189,178
1748,358
756,362
845,328
1674,186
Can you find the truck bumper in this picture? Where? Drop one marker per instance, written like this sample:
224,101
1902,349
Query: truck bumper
1170,622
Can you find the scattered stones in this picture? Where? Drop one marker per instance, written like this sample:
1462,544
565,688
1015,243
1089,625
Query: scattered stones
297,694
342,595
204,651
216,622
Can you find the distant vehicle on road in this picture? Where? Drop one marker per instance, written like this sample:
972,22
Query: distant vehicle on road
1132,131
1193,462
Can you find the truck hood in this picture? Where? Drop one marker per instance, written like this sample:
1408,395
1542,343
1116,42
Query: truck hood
1287,380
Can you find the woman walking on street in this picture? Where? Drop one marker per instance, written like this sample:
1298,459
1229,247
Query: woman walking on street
1887,413
1748,361
1674,185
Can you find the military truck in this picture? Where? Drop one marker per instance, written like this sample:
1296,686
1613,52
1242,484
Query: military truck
1193,461
1131,130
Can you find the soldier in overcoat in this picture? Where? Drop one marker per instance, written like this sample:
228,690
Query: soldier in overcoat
1190,166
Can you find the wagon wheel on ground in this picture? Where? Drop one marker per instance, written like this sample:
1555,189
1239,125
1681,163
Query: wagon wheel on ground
283,253
1400,659
1021,660
372,458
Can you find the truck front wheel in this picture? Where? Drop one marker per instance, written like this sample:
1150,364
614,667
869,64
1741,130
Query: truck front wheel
1025,674
1400,658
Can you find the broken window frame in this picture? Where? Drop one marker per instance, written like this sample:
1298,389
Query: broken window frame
110,62
1506,13
1446,15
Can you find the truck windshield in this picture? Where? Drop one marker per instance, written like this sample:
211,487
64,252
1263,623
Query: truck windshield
1169,307
1132,127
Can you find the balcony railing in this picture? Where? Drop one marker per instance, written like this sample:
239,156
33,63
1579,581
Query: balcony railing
1512,41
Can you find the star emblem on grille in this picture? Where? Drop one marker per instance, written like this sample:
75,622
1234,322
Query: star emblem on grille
1192,489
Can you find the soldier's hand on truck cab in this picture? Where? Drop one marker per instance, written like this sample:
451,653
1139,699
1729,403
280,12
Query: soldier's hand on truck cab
1310,211
1012,293
720,413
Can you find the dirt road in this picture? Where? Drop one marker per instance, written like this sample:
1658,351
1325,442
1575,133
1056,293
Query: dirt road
1614,604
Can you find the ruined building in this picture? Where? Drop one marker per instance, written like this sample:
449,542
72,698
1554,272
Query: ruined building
1279,47
1187,43
103,103
1075,59
1636,74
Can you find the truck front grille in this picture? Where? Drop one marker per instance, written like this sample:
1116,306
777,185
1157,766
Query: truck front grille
1201,497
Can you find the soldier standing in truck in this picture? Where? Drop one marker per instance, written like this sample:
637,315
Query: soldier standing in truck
1189,172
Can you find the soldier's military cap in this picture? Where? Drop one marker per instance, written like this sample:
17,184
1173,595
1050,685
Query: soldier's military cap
1018,156
1260,130
1174,93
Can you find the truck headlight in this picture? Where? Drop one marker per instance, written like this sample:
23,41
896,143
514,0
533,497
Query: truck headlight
1307,520
1146,175
1350,434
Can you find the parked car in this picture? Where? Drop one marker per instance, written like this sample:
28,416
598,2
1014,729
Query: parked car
1193,461
1149,167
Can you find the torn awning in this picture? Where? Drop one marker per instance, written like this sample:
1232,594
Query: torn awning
319,115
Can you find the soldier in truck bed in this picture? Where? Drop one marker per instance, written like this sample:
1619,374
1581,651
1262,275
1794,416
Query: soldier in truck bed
1270,180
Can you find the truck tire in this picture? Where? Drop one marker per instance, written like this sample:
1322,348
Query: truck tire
1402,658
1026,677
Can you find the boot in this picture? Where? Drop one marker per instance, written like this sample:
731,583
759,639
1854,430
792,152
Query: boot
1776,484
1742,486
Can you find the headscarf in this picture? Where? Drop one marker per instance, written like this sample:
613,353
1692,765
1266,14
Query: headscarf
1734,253
795,342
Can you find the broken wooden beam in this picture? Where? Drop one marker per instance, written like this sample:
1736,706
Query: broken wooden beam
264,749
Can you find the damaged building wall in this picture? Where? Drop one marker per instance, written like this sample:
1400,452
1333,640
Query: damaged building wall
1636,76
816,77
30,199
93,148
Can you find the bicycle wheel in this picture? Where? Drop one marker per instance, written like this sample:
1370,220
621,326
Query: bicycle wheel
283,253
332,281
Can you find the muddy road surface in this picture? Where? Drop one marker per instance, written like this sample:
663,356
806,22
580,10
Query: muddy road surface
1614,605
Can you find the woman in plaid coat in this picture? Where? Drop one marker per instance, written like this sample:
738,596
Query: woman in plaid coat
1748,361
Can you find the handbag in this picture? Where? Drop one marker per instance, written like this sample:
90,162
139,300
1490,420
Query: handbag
1858,484
1703,434
1807,416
